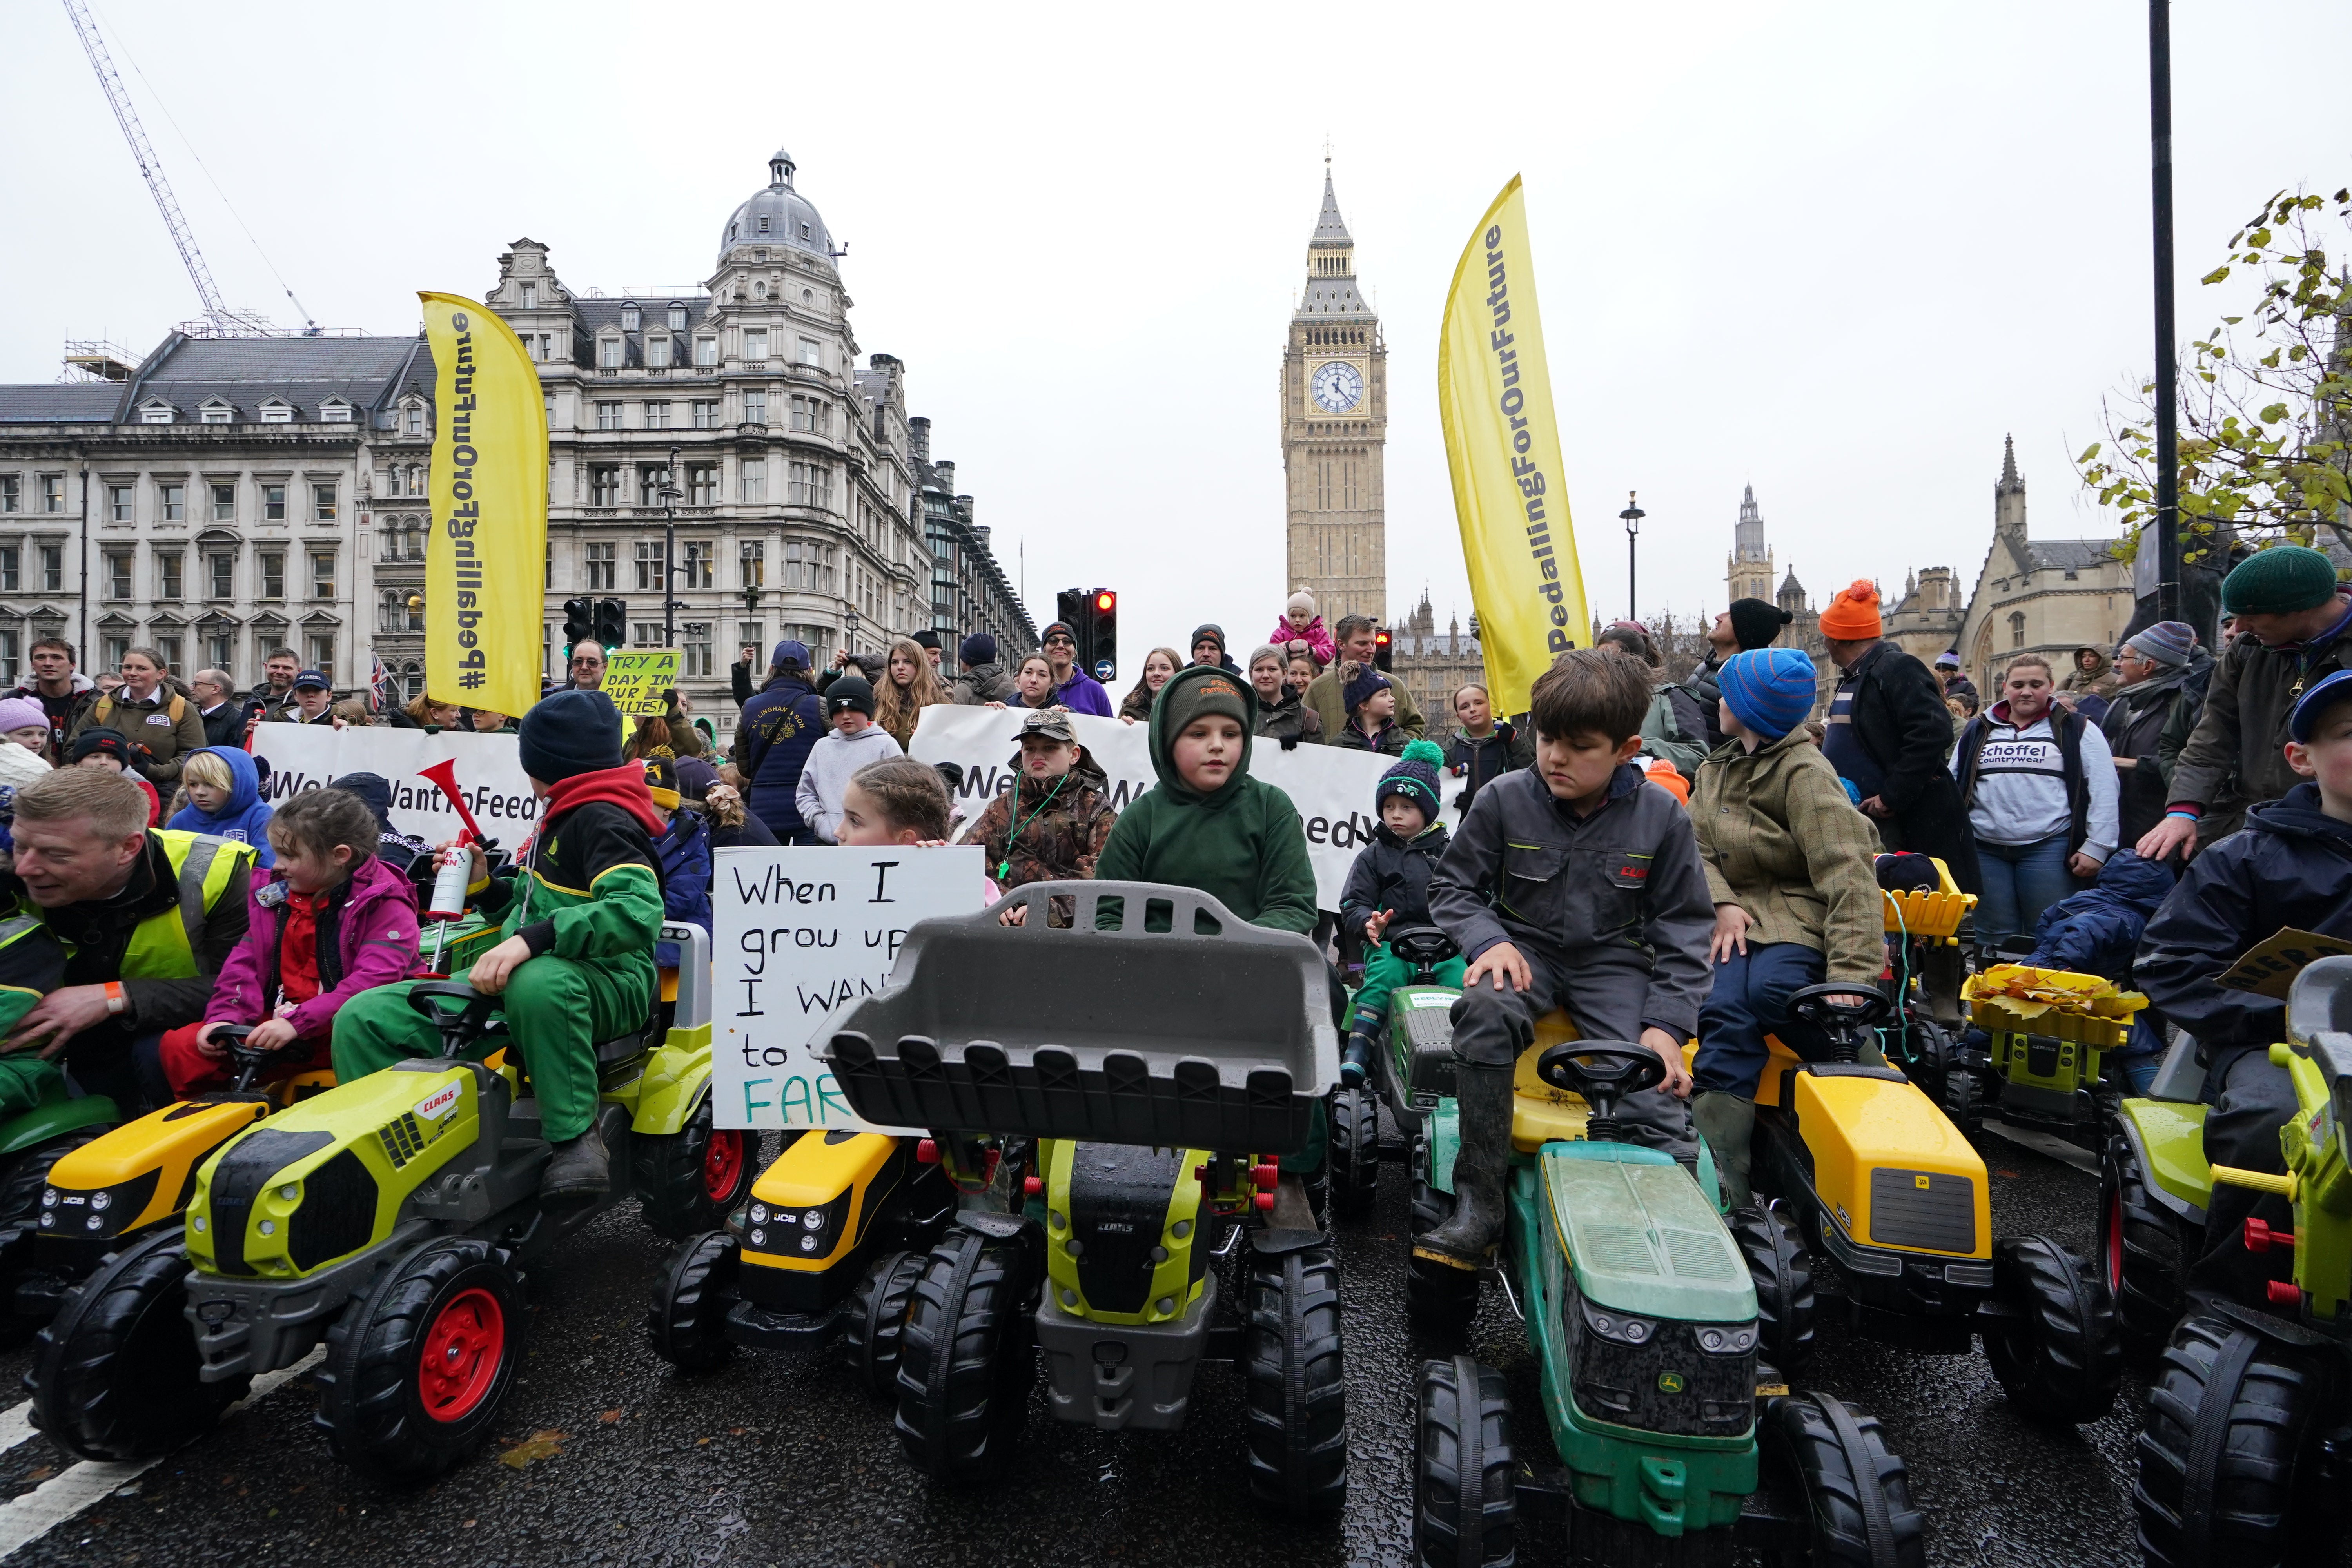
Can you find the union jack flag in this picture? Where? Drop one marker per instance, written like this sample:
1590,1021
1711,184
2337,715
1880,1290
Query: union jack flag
382,694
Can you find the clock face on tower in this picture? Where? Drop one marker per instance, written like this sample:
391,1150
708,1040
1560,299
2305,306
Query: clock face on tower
1337,386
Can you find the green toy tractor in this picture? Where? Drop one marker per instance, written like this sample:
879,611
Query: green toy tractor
393,1218
53,1124
1643,1317
1137,1117
2248,1445
1416,1026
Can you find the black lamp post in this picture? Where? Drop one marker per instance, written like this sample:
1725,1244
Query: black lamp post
669,494
2167,435
1632,516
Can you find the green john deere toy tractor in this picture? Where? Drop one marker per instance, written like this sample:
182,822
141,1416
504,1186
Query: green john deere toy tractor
392,1218
1137,1117
2247,1449
1643,1316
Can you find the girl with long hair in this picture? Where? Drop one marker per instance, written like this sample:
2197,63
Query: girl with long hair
909,685
1157,665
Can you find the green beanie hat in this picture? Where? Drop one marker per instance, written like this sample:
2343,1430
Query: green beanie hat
2279,580
1413,776
1203,690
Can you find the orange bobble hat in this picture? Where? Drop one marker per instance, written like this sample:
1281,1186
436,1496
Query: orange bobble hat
1852,615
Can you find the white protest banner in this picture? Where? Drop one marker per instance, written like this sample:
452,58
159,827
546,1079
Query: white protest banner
1331,787
489,774
795,934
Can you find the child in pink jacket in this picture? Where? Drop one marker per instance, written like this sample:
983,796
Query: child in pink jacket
1300,623
329,922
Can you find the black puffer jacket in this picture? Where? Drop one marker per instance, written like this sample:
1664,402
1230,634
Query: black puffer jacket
2291,868
1479,761
1392,874
1901,720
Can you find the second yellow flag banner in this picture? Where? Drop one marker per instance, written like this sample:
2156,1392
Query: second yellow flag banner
486,556
1502,446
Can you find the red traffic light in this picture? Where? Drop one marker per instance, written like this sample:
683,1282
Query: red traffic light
1105,600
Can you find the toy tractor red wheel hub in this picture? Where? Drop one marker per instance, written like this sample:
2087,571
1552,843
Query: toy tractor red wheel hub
461,1356
722,1164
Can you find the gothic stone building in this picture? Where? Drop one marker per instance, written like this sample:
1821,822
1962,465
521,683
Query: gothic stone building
215,499
2048,597
1334,426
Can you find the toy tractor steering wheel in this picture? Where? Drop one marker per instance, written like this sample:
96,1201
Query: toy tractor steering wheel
1603,1072
461,1013
1423,947
1850,1024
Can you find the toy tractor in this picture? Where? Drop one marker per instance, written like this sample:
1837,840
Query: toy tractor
1927,971
392,1218
101,1195
31,1143
827,1250
1156,1096
1417,1025
2248,1443
2046,1060
1885,1186
1643,1317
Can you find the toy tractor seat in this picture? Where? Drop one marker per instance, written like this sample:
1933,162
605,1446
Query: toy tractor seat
1542,1112
1156,1017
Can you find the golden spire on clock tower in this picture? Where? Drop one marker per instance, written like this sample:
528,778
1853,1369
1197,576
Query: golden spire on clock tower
1334,426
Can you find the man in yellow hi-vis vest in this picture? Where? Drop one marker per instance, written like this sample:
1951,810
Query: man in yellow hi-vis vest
146,918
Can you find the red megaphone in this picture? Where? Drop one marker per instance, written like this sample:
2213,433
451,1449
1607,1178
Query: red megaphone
444,776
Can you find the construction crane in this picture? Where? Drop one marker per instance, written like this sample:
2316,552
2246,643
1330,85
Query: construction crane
224,322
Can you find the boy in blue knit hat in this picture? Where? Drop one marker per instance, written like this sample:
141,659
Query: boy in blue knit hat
1388,884
1790,867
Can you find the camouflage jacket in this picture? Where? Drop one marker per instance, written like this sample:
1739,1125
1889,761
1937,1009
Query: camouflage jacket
1058,838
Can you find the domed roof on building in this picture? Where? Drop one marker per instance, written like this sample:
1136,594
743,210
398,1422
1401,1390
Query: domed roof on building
779,214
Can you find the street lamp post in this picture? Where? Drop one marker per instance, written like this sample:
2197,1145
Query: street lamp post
2168,434
1632,516
669,493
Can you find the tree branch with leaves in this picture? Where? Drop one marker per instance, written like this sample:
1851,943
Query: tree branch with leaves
2265,416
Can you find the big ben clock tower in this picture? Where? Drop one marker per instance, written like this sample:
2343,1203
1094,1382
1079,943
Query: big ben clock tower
1335,417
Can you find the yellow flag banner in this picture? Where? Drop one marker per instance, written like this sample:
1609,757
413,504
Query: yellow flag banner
487,554
1493,399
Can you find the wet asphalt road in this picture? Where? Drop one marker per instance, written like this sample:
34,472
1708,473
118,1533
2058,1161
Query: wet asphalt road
606,1456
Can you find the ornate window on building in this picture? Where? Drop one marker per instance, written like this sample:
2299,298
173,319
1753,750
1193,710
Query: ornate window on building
608,353
322,574
702,485
706,352
273,503
53,569
225,503
171,502
657,351
694,650
649,566
121,503
603,486
697,565
222,565
656,415
323,503
752,563
705,414
755,345
12,492
52,492
676,316
631,318
2017,628
608,416
755,405
118,573
273,574
170,576
754,479
604,567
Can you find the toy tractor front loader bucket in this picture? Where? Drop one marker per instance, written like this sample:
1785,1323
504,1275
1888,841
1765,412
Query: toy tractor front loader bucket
1156,1017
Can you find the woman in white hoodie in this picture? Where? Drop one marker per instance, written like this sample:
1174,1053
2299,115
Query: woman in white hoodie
854,741
2040,787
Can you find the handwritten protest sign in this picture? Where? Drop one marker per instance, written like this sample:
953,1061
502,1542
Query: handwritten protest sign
798,932
489,774
634,678
1331,788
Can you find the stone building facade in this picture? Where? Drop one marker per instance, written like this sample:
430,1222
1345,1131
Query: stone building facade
1433,664
1334,431
2048,597
217,499
969,591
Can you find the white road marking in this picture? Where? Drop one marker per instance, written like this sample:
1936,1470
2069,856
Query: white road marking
2048,1143
29,1518
15,1426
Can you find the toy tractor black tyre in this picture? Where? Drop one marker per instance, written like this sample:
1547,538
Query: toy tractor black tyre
25,1179
2146,1249
1858,1492
2059,1359
1963,1097
116,1374
1438,1296
417,1368
1466,1502
1776,1258
967,1358
687,1320
874,1320
2257,1472
1354,1160
689,1180
1297,1396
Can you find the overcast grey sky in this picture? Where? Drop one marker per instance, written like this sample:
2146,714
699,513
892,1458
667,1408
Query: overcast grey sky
1834,250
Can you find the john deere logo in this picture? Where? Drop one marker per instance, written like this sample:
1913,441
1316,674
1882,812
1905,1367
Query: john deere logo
1670,1382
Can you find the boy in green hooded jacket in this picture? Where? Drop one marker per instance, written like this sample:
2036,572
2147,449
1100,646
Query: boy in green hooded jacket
1211,827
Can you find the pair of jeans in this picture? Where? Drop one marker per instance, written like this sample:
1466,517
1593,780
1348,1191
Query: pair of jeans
1750,1000
2021,880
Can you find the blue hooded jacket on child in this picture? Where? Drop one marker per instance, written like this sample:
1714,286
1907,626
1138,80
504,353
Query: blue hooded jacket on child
2095,930
243,816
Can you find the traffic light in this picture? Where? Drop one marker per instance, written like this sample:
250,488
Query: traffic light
1100,639
579,622
1380,650
1070,608
612,623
